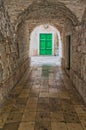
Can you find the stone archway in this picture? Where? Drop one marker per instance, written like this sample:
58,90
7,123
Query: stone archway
34,40
44,9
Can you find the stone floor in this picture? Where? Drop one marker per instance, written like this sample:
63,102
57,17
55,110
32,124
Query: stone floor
44,99
45,60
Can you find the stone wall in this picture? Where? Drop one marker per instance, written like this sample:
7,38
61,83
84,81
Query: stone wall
23,43
10,68
77,70
16,7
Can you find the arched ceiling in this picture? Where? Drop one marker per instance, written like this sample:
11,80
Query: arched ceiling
84,15
17,7
44,9
32,24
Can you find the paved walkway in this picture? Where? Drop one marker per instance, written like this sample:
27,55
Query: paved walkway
44,99
45,60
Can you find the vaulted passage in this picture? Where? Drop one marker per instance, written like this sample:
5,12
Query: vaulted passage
42,65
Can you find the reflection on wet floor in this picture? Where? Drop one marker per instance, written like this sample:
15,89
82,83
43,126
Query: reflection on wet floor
45,71
44,99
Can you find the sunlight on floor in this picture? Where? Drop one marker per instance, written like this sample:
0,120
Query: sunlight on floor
45,60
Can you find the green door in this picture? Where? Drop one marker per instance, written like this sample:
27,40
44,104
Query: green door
45,44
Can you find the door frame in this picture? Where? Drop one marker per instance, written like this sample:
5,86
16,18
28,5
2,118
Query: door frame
68,52
52,41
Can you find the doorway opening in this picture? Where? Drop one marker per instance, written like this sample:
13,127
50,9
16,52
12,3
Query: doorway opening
68,52
45,46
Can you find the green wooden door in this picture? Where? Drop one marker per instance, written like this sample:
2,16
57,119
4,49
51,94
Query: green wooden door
45,44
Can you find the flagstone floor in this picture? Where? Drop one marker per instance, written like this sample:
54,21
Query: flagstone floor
44,99
45,60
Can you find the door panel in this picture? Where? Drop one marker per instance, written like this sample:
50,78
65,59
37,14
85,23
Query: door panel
45,44
49,36
42,44
42,36
42,52
49,45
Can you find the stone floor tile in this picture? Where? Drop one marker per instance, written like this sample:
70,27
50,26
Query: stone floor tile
43,100
25,91
53,90
24,95
66,102
80,108
74,126
11,126
26,126
19,108
43,107
3,118
63,95
29,116
21,101
36,87
53,95
7,108
68,108
42,126
55,107
44,90
76,101
43,116
37,91
14,117
83,122
34,95
31,108
71,118
44,94
57,117
58,126
32,100
82,117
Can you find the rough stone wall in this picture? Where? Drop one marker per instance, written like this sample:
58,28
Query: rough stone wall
16,7
77,70
23,42
7,56
10,69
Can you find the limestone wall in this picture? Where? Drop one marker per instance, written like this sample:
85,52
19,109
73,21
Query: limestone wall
10,68
16,7
23,42
77,70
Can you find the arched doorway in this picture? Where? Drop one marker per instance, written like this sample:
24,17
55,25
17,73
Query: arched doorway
45,41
